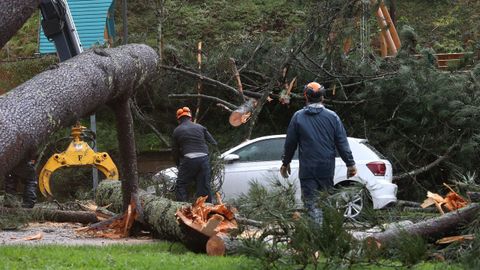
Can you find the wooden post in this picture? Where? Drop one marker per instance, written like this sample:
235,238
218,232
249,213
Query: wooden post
391,26
386,32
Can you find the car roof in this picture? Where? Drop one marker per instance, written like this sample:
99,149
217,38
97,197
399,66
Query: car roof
277,136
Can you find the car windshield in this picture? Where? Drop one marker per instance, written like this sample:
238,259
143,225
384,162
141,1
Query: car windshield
264,150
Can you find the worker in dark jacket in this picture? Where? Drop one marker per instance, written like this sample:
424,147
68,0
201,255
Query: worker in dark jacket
190,152
318,132
24,172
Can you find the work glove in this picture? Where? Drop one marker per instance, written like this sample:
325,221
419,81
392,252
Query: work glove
351,171
285,170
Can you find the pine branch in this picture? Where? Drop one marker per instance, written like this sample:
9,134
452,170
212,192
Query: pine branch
216,99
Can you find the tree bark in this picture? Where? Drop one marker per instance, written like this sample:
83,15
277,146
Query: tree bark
13,14
433,228
222,244
161,215
59,97
159,212
128,155
46,214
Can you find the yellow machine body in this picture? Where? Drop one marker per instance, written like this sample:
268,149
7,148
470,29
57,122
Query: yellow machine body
78,153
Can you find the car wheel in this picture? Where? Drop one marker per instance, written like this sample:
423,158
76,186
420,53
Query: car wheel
350,201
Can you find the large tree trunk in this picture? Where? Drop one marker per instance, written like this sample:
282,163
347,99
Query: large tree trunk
433,228
128,155
84,217
13,14
59,97
159,212
166,223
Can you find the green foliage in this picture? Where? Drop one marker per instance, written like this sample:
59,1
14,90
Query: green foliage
12,221
13,74
268,203
408,249
329,240
24,43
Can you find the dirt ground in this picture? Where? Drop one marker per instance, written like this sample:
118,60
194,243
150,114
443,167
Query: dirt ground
62,234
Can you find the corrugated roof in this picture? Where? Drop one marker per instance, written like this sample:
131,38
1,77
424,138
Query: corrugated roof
90,17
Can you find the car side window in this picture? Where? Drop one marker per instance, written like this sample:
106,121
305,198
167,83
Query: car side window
265,150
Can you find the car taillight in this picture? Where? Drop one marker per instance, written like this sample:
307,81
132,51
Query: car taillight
378,168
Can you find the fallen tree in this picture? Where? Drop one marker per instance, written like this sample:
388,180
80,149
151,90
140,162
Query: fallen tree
45,214
59,97
175,221
434,228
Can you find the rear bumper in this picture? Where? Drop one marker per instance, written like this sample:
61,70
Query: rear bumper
383,193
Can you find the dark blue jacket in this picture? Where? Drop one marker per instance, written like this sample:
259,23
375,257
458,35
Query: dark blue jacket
189,137
317,131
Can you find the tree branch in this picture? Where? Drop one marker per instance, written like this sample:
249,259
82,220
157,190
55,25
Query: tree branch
202,78
216,99
428,166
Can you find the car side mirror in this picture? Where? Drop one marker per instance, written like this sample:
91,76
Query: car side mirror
230,158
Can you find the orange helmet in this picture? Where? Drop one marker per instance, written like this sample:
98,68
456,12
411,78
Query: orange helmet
184,111
314,90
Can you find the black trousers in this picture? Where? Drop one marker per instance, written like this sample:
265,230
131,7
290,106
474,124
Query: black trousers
194,170
24,172
311,188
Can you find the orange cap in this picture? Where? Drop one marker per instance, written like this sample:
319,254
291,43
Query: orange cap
184,111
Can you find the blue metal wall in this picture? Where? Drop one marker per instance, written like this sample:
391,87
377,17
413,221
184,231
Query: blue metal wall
90,18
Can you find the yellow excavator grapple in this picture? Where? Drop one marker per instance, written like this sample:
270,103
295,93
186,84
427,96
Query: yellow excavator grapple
78,153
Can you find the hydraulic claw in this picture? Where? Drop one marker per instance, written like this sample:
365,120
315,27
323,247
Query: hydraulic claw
78,153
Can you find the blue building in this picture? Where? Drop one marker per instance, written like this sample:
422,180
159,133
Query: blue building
94,21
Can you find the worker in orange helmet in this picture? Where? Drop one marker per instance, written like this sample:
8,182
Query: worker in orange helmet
190,153
318,132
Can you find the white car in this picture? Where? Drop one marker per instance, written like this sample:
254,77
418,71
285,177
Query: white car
260,159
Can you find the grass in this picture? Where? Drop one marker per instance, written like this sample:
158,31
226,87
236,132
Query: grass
162,255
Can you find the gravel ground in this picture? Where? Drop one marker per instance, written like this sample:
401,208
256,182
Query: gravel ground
61,234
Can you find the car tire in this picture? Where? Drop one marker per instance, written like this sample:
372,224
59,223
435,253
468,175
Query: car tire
351,200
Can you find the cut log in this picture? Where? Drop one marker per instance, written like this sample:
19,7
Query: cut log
13,14
222,244
162,215
433,228
46,214
159,213
242,114
57,98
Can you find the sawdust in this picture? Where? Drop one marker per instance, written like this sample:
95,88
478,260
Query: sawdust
61,234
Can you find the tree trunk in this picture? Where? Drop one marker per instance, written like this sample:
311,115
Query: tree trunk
433,228
162,216
13,14
59,97
128,155
159,212
46,214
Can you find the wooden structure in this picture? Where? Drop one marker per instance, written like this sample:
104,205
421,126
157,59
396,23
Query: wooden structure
389,39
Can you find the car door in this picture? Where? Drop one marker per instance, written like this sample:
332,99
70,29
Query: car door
259,161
